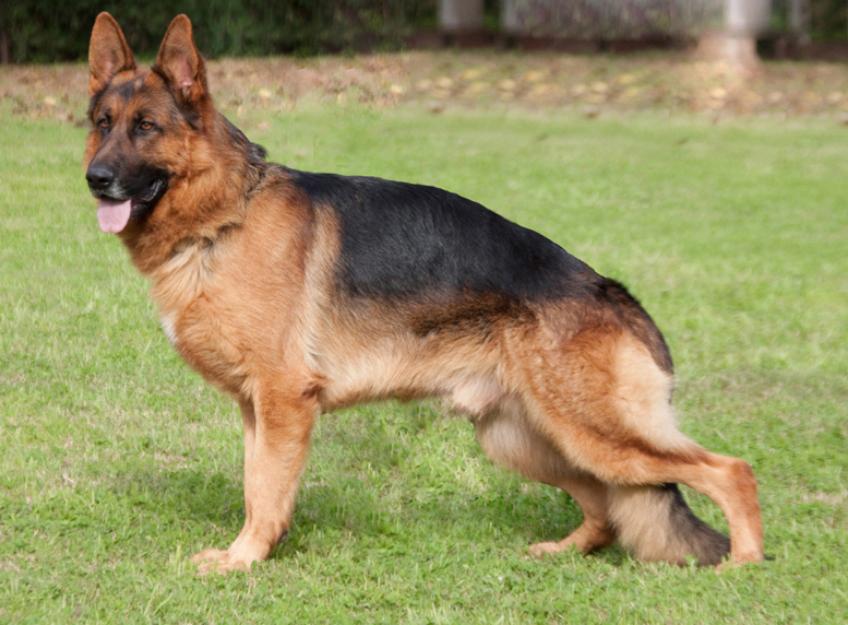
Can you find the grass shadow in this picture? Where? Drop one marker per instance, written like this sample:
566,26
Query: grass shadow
191,501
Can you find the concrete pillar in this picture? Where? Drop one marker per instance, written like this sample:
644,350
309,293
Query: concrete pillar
736,40
460,16
510,21
746,18
799,20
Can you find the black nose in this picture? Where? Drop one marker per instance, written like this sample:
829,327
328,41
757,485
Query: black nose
99,177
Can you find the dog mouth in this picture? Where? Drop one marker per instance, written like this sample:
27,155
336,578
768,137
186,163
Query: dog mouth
114,213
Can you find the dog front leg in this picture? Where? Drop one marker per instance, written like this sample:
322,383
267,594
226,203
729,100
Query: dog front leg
277,426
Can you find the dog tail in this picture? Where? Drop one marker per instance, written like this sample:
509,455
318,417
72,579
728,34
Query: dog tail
655,523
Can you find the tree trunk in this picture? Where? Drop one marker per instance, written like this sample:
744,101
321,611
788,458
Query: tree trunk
5,52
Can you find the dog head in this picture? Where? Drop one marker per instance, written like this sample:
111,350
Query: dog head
143,123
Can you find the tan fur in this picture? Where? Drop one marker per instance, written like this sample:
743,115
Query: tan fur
240,266
511,441
641,512
642,395
575,404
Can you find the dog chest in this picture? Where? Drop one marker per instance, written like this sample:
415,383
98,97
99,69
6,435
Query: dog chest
199,320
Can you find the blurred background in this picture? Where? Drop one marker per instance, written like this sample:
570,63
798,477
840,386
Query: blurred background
724,57
45,30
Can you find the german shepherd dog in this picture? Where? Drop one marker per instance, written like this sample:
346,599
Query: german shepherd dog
298,293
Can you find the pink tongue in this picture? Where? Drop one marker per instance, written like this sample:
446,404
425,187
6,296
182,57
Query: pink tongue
113,216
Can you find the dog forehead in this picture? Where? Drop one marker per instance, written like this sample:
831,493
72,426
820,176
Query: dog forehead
124,85
135,90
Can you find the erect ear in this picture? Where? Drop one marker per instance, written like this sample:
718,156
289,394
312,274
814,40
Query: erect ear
108,52
180,62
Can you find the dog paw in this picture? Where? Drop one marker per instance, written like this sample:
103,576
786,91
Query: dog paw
739,560
219,561
540,550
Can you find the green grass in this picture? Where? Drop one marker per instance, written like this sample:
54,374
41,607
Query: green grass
117,462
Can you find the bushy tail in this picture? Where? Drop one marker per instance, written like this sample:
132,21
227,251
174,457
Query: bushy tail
655,523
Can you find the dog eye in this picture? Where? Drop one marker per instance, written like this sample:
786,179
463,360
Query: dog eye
104,123
145,125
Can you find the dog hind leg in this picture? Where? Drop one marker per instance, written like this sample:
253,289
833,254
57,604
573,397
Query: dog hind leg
604,403
510,441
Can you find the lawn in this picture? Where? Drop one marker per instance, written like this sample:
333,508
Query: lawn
117,462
